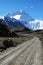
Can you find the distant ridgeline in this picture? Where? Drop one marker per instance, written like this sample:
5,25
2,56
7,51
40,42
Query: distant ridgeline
34,26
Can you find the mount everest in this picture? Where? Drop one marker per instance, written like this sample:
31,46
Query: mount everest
22,19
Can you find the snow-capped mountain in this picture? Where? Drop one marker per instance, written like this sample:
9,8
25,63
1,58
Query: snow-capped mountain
1,17
22,19
36,24
20,16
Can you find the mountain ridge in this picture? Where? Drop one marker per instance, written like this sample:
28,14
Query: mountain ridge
24,19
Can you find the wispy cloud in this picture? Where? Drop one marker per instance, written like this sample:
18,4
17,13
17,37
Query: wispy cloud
29,7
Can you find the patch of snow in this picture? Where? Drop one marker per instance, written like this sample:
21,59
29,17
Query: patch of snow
17,17
36,24
1,17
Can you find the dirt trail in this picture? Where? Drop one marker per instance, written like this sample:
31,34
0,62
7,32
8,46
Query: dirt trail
28,53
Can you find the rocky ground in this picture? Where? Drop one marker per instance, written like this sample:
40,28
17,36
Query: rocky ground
29,51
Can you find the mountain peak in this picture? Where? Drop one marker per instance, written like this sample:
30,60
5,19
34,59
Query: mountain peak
21,11
20,15
23,16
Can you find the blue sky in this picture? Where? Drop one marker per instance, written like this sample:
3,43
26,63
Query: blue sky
33,7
